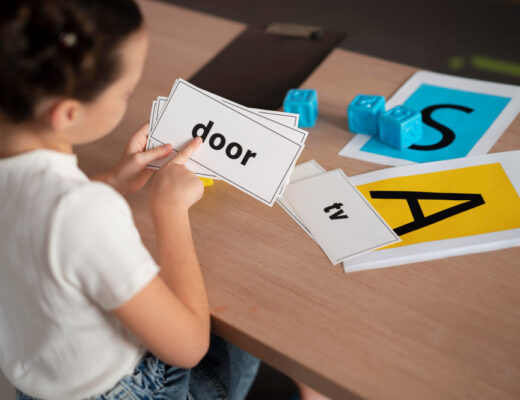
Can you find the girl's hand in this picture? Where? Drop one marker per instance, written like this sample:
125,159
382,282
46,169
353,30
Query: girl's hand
130,174
176,188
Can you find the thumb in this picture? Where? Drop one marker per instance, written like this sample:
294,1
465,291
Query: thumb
156,153
137,142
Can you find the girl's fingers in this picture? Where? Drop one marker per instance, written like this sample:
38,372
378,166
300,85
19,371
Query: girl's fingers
137,142
182,156
156,153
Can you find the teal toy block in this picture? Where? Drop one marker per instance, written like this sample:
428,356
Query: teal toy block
363,113
303,102
400,127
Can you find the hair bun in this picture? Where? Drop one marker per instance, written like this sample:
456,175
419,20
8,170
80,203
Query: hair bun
68,39
59,47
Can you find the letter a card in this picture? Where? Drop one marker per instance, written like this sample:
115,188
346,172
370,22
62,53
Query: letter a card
445,208
339,218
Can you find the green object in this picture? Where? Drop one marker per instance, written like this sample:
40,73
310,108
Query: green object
456,62
485,63
494,65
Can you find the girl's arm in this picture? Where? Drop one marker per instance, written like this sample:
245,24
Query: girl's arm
171,314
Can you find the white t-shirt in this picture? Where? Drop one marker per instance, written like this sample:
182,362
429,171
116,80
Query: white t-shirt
69,253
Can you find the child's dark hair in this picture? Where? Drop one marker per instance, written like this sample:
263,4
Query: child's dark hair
60,48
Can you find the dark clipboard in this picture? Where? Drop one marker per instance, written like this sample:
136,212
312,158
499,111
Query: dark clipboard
258,68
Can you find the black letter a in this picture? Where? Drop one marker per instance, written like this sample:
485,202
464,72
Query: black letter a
419,220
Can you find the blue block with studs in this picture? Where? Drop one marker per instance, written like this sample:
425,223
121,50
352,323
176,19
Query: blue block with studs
364,112
303,102
400,127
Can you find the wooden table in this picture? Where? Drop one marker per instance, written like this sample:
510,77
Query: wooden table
445,329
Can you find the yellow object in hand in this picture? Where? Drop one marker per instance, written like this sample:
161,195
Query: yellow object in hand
206,181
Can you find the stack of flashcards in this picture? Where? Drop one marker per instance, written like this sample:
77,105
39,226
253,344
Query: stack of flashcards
334,213
253,150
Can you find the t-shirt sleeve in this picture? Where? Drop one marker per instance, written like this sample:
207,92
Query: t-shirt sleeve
95,246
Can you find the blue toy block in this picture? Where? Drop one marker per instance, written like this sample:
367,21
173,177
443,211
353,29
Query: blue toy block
363,113
303,102
400,127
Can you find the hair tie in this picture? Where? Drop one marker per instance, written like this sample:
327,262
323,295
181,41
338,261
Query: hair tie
68,39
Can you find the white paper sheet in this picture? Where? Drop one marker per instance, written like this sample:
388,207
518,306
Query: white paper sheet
339,218
301,172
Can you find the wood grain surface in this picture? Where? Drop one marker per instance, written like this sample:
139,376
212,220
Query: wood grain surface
444,329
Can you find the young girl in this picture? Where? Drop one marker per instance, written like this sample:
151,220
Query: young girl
85,312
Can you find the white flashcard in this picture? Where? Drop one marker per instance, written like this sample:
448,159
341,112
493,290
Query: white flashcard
340,219
150,125
278,117
301,172
284,118
294,133
288,119
276,120
271,118
247,154
266,117
157,109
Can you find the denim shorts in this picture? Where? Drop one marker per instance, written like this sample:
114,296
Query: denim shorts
225,373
